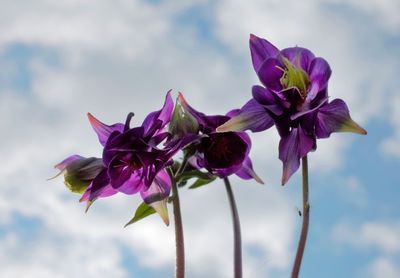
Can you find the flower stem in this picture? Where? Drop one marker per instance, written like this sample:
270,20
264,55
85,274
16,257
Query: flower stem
306,220
236,231
179,241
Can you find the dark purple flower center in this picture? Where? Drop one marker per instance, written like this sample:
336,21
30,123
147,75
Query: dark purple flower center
223,150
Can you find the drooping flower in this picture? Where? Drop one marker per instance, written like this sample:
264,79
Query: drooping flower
222,154
294,98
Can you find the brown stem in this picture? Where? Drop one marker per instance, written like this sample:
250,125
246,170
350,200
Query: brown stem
236,231
306,220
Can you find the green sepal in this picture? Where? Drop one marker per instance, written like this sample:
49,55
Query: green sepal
74,184
142,211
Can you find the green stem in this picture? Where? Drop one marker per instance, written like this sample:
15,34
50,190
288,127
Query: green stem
306,220
236,231
179,239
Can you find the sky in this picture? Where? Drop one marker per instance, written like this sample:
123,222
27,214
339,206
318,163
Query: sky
62,59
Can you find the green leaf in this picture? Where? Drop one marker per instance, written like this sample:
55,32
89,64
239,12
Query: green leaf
142,211
200,182
187,175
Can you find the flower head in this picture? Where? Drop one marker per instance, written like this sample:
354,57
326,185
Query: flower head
222,154
132,161
294,97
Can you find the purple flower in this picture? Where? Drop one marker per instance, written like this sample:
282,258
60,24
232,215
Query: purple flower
222,154
132,160
294,97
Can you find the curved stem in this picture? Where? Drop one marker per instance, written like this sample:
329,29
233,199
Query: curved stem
236,231
306,220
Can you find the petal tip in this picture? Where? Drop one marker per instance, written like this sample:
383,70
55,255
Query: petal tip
161,208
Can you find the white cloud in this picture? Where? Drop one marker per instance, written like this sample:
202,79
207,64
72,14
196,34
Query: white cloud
44,258
382,11
383,267
384,236
391,145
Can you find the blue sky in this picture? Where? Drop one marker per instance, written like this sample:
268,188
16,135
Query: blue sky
61,60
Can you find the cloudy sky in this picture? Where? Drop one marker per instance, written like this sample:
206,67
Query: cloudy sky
62,59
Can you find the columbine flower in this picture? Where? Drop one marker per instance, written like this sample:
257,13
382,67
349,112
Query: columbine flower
132,161
294,98
222,154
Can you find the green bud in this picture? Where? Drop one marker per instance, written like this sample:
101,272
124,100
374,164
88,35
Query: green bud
182,121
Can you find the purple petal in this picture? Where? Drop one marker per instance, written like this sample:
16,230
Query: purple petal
102,130
269,100
100,187
133,185
252,116
335,117
306,109
270,73
292,148
225,172
320,72
118,171
261,50
164,115
298,56
106,191
156,195
159,189
233,113
246,172
63,164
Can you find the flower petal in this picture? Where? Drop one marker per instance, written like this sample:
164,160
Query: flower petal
335,117
100,187
159,189
164,115
269,100
252,116
292,148
320,72
261,50
156,195
270,73
299,56
63,164
133,185
106,191
102,130
246,172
